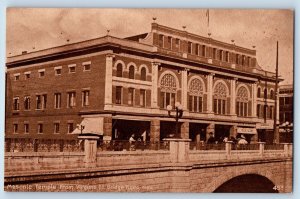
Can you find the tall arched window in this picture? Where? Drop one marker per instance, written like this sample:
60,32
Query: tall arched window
131,72
220,95
258,92
168,90
143,74
242,100
196,96
272,94
119,70
265,93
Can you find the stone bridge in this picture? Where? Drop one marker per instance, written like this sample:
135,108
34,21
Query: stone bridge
178,169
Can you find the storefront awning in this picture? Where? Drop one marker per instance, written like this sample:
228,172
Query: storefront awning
92,125
247,131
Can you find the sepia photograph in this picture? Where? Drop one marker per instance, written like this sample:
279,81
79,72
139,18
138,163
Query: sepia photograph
149,100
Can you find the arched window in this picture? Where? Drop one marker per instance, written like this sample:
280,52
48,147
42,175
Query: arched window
265,93
131,72
196,96
258,92
242,100
272,94
143,74
168,90
119,70
220,95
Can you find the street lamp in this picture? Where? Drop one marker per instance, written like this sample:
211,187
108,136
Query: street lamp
285,125
80,127
178,114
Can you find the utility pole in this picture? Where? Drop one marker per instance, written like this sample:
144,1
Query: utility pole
275,129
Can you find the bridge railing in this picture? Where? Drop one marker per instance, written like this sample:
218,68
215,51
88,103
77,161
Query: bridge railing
125,145
42,145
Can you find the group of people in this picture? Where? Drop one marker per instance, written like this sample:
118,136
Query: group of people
241,140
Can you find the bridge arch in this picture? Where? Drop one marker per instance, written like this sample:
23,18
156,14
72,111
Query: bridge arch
224,178
247,183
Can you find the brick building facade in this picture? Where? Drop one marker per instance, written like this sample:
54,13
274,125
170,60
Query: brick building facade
127,84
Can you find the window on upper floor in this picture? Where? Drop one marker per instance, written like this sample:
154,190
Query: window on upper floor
131,72
242,100
17,76
86,66
214,53
57,100
143,74
142,98
249,61
15,128
197,49
227,56
266,93
271,112
27,102
272,94
40,128
258,92
72,68
168,88
196,96
161,40
258,110
221,55
41,73
56,127
57,70
119,95
170,41
190,47
70,127
41,102
119,70
265,116
85,98
71,101
27,75
26,128
203,50
237,57
220,99
16,103
130,96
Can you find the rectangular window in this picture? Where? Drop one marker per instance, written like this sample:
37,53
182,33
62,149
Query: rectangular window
56,127
237,58
200,106
44,97
27,102
191,103
27,75
197,49
195,103
130,96
85,98
237,108
40,128
245,109
70,127
41,73
203,50
41,102
214,53
162,100
26,128
86,66
161,40
223,107
177,43
173,100
221,55
168,101
16,77
16,103
16,126
72,68
227,56
57,100
118,95
71,99
58,71
143,98
190,44
215,106
170,41
258,110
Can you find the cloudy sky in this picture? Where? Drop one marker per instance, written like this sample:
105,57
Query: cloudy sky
35,29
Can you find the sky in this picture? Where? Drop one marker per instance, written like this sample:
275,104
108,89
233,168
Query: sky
31,29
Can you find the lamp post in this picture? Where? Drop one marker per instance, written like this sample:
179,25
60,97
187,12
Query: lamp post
177,116
80,127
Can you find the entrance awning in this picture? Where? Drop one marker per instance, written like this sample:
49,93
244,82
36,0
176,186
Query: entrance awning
92,125
247,131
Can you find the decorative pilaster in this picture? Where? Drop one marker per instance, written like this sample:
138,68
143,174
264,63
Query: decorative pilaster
233,96
254,99
184,89
108,79
210,92
155,66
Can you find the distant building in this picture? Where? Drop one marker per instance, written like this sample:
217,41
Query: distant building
125,84
286,119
